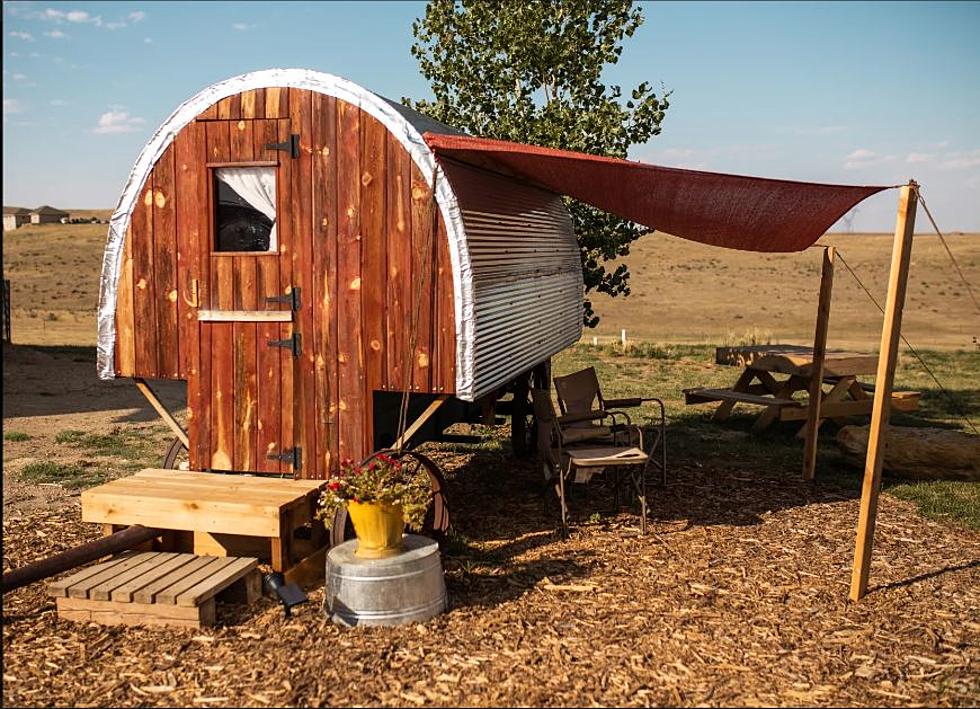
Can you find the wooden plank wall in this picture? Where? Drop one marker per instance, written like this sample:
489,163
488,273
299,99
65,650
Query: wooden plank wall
356,234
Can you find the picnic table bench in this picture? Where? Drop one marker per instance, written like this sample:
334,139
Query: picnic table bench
758,384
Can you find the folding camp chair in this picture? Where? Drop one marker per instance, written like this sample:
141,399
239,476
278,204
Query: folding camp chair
563,461
580,393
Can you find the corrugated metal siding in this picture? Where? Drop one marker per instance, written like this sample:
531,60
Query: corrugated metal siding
526,271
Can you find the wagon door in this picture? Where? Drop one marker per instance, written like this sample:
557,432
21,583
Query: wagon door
248,340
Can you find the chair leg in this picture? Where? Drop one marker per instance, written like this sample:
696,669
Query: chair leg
564,506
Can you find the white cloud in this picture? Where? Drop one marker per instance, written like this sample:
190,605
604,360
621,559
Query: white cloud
862,157
919,157
15,54
137,16
114,25
78,16
35,54
18,77
961,160
26,36
52,14
118,121
58,102
241,26
147,40
55,34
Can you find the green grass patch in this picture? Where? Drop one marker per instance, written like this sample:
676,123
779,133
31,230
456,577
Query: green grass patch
15,436
69,435
67,475
133,447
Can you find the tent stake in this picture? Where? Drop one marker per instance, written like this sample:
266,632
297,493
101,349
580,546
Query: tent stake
884,379
812,427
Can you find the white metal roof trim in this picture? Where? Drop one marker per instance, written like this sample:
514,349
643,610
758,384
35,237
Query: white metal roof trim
404,123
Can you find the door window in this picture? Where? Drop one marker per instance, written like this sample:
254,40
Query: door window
245,209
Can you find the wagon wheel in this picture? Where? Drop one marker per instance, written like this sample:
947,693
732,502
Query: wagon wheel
176,457
436,522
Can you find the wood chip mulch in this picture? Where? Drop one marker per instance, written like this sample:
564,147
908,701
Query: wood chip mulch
737,596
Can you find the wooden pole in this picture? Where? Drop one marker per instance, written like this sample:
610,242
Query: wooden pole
812,427
887,357
162,410
417,424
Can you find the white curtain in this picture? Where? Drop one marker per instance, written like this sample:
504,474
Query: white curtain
257,186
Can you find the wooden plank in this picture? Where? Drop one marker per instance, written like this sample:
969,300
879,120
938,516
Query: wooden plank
890,334
275,102
165,264
399,258
267,501
373,263
222,395
268,372
242,142
230,108
420,421
811,428
144,305
287,237
248,104
125,319
103,591
180,511
309,571
350,349
147,594
217,582
209,114
60,586
220,480
244,163
170,594
423,227
323,299
162,411
192,230
705,395
248,316
81,589
125,592
838,409
112,613
245,395
444,367
301,122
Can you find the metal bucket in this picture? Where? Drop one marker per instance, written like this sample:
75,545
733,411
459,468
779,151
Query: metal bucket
408,587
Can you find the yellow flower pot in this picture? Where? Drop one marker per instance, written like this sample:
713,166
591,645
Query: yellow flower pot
379,528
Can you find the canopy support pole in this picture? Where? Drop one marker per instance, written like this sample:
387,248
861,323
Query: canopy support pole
420,421
812,427
885,378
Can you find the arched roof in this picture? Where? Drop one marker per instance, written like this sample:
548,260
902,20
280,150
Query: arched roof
402,122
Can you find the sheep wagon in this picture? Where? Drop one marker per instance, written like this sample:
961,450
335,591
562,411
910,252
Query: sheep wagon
289,246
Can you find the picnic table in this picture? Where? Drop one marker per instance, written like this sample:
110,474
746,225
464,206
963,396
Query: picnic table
773,374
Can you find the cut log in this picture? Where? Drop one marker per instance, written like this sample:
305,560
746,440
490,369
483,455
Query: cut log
919,453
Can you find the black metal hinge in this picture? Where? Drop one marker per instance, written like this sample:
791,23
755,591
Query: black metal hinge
293,456
291,298
293,343
290,145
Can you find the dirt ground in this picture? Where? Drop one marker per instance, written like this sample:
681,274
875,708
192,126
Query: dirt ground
737,596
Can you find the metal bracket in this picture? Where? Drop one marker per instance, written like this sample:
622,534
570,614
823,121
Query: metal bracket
293,343
292,298
293,456
290,145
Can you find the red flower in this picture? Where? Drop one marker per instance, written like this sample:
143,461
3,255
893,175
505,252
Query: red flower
334,485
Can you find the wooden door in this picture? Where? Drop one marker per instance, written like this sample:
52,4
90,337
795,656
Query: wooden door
247,332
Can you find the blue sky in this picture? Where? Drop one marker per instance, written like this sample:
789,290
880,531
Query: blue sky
864,93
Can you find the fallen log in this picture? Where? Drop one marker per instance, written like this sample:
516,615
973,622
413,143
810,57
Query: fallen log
76,556
918,453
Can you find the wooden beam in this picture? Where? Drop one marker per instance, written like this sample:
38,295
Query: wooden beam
245,316
812,427
420,421
162,410
887,357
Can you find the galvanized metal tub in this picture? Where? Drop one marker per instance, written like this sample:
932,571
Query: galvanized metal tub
407,587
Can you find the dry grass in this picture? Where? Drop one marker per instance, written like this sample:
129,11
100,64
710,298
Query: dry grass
687,292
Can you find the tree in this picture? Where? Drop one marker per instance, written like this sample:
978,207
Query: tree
531,72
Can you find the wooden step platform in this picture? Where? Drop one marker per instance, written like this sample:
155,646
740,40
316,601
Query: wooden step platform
220,514
156,588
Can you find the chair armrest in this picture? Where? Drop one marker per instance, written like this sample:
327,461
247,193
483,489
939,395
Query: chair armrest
587,416
617,403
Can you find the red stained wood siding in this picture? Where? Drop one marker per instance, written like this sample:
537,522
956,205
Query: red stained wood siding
359,234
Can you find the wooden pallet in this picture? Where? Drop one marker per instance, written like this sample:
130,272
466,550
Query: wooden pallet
156,588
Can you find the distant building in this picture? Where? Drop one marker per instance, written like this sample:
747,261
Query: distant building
13,217
48,215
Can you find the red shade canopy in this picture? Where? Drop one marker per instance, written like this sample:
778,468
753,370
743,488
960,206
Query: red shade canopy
735,211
